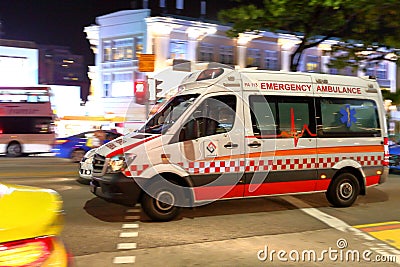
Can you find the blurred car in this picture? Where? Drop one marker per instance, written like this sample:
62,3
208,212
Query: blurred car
394,158
74,147
30,227
85,167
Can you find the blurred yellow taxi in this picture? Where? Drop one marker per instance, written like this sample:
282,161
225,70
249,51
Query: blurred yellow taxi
31,220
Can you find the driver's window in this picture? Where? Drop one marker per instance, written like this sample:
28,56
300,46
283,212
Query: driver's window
215,115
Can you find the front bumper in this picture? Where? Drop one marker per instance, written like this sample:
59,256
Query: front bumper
85,170
116,188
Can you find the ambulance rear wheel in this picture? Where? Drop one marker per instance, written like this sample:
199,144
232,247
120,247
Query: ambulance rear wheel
160,200
343,190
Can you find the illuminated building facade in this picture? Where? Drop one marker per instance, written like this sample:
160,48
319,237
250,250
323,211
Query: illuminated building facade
161,29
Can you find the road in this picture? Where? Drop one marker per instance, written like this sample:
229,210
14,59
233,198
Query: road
273,231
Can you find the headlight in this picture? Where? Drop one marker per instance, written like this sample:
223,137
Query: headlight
116,164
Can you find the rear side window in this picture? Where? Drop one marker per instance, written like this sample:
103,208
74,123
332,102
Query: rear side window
348,118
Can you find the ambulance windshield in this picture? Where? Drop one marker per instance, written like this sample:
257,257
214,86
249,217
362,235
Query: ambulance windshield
168,114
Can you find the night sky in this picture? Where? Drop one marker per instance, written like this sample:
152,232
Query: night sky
55,22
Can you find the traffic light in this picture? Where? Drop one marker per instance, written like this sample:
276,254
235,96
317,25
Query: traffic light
141,92
158,90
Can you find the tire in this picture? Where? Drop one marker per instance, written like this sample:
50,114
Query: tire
14,149
343,190
77,155
160,200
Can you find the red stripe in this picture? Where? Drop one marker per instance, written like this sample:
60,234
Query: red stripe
217,192
280,188
220,192
123,149
322,185
372,180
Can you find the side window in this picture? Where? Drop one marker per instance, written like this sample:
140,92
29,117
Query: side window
282,117
348,118
215,115
263,116
294,118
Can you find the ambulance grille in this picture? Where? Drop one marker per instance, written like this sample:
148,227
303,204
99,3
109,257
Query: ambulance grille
99,165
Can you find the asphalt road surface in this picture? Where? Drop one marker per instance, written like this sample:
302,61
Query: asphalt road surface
301,230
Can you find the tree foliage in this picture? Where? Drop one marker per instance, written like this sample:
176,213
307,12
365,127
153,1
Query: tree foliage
374,23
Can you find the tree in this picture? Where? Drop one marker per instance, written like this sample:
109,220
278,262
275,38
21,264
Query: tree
374,23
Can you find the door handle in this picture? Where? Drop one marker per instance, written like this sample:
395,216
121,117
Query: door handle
231,145
254,144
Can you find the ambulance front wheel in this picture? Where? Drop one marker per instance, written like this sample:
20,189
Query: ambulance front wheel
343,190
160,201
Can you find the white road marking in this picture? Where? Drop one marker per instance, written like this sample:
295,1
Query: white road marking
133,210
129,234
124,259
126,246
380,248
133,217
130,225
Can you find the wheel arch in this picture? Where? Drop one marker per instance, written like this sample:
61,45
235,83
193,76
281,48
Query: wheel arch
357,172
175,178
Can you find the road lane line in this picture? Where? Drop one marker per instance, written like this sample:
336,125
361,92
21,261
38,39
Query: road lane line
130,225
133,217
129,234
126,246
380,248
124,259
133,210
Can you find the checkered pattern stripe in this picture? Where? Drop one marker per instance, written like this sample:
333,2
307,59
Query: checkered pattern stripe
276,164
136,170
370,160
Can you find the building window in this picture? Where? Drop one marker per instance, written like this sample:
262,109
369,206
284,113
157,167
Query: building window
138,46
333,71
123,49
206,52
379,70
123,77
178,49
107,84
271,60
312,64
179,4
253,57
226,54
107,51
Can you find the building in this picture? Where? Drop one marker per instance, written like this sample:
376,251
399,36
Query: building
58,66
160,29
18,63
20,66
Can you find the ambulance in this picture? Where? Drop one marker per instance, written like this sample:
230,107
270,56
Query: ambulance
233,134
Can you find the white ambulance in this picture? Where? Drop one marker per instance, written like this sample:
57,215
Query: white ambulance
238,134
